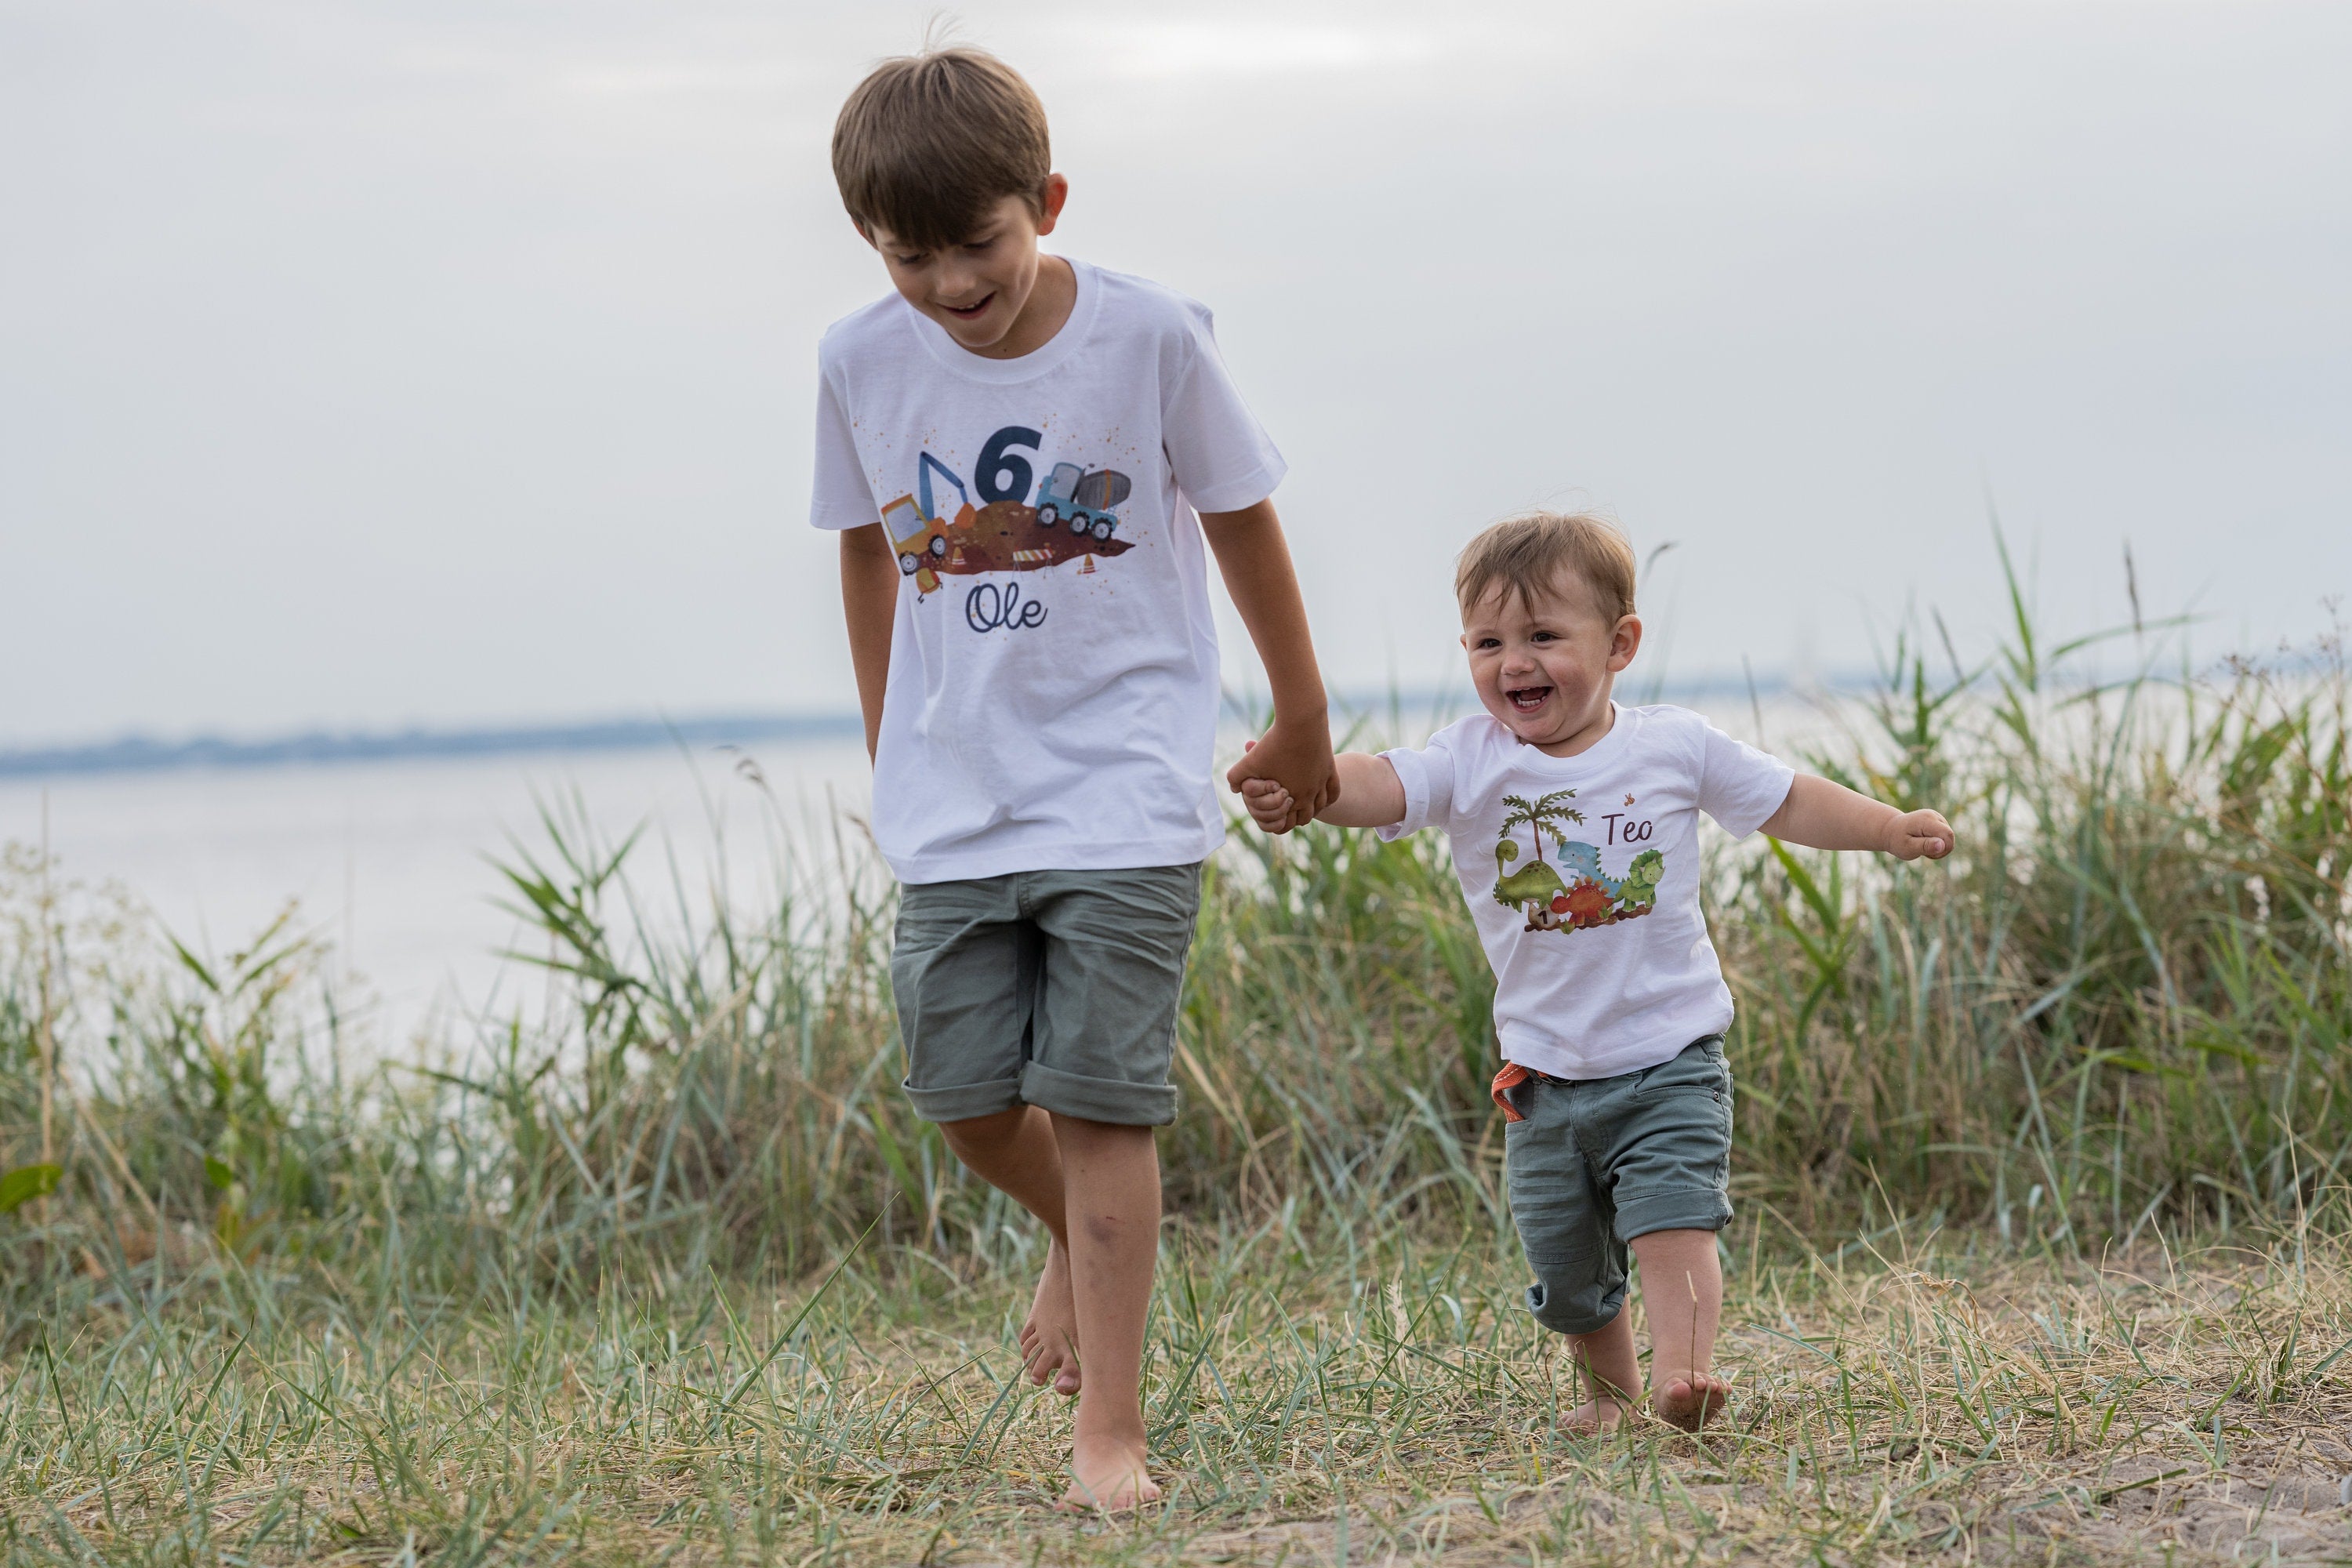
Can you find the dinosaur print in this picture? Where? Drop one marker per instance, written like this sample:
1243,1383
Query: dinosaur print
1571,891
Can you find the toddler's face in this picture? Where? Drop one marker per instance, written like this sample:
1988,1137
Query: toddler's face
975,289
1544,664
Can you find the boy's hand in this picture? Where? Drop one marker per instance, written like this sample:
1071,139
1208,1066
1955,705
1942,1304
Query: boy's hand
1297,757
1268,803
1917,832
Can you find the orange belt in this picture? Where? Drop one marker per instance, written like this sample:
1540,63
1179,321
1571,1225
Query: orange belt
1510,1078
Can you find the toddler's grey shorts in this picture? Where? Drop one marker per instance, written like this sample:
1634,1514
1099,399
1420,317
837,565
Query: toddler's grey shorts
1599,1162
1051,988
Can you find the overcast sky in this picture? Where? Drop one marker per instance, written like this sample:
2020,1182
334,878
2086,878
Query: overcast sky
436,362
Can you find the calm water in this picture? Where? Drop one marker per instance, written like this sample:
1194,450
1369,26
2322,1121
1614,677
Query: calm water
386,861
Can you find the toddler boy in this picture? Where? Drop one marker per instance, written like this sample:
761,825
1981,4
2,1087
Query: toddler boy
1013,447
1574,829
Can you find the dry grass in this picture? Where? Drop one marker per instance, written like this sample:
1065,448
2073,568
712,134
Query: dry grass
1898,1401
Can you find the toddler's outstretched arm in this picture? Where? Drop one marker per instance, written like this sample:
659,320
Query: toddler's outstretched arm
1371,796
1820,814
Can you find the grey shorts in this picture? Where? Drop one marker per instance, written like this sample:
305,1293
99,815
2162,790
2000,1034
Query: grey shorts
1599,1163
1050,988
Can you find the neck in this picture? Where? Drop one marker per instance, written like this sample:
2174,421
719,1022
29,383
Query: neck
1051,300
1586,733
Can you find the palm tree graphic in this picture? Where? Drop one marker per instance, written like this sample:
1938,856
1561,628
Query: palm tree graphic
1541,815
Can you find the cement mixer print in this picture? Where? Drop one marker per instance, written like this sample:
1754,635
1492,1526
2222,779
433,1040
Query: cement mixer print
1084,499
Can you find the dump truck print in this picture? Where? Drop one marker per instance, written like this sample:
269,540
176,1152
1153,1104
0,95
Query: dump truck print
1003,535
1082,499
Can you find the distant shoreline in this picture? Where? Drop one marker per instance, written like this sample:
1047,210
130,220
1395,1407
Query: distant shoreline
146,753
142,753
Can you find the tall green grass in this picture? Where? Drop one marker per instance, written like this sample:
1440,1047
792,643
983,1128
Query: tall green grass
2122,1004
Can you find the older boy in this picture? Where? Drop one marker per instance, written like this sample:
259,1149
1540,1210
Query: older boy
1030,623
1609,1004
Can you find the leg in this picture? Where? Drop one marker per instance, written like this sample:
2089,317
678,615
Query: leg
1014,1152
1610,1373
965,972
1682,1288
1111,1182
1114,977
1580,1268
1668,1131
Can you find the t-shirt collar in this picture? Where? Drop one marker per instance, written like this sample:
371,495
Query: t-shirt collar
1048,356
1599,754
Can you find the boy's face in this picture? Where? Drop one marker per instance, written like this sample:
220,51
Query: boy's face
977,289
1544,663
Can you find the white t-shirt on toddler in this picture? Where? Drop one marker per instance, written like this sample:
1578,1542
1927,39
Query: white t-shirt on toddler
1052,702
1583,874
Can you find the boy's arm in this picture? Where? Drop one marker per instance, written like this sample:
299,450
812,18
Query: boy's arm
869,602
1820,814
1371,796
1295,752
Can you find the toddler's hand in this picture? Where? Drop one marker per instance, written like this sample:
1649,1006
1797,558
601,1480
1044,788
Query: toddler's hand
1268,805
1297,757
1917,832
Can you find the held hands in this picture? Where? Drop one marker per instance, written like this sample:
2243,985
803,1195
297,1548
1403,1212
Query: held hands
1288,776
1916,832
1268,803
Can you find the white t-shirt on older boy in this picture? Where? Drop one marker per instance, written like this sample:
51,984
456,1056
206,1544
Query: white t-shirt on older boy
1583,874
1053,688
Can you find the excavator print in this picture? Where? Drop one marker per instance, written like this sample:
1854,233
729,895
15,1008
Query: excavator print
1004,535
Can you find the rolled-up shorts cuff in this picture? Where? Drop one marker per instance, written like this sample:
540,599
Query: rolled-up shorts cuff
963,1101
1114,1100
1675,1208
1559,1320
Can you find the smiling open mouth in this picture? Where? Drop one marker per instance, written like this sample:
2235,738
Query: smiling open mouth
1527,699
968,312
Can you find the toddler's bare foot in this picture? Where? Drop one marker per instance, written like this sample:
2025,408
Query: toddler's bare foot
1049,1340
1594,1417
1109,1474
1690,1403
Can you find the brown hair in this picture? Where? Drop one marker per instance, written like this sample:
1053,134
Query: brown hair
929,142
1525,555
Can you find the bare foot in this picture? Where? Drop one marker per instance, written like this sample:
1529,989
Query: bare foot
1690,1403
1109,1475
1049,1340
1594,1417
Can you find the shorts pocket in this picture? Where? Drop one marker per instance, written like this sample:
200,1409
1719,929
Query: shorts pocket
1699,1067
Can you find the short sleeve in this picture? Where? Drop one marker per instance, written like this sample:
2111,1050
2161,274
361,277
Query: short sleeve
1221,458
839,497
1428,778
1738,785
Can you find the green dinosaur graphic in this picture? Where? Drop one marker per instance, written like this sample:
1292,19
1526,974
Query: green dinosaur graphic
1639,888
1535,883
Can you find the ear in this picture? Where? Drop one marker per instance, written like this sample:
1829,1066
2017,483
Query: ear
1056,192
1624,642
860,225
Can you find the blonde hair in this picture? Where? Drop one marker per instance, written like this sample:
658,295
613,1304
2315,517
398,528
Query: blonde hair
1526,554
927,143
